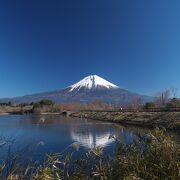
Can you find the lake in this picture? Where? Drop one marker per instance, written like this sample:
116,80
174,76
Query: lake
36,135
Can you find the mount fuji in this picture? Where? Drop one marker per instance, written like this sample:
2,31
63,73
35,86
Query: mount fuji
88,89
92,82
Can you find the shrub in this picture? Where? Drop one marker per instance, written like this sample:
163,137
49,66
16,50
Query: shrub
174,102
150,105
46,102
37,105
154,156
6,103
42,103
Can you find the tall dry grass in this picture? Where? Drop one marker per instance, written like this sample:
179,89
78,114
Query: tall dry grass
151,156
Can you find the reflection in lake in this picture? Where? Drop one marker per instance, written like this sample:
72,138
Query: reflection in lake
53,133
93,134
91,141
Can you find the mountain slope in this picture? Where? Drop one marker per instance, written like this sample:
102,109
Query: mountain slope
92,82
87,90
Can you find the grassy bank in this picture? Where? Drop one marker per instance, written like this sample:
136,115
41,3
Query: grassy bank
169,120
152,156
15,109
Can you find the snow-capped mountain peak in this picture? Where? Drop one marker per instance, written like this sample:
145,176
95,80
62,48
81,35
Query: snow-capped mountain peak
92,82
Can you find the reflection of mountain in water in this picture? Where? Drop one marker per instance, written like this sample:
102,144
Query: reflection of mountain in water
90,140
91,135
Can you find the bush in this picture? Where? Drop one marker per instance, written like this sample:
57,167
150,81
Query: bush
42,103
154,156
6,103
46,102
37,105
174,102
150,105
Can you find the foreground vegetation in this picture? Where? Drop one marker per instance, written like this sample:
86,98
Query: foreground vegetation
151,156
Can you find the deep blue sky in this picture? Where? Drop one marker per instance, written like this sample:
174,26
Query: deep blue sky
47,45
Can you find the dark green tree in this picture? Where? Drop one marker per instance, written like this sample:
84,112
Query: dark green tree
150,105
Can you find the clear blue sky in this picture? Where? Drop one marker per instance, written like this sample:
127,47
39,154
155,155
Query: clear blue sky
47,45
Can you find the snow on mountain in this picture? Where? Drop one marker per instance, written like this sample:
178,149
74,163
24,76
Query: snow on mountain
89,89
92,82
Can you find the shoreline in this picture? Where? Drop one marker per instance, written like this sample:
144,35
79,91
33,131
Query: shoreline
5,114
48,113
168,120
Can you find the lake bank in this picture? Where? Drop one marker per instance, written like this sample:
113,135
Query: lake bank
4,110
169,120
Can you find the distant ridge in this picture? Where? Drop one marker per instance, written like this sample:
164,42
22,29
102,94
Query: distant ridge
88,89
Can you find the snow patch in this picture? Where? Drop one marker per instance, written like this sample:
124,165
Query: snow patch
91,82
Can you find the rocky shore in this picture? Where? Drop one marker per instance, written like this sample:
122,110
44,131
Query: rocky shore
169,120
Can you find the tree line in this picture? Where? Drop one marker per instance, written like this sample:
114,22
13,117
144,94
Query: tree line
164,99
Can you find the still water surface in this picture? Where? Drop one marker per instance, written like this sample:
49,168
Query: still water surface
44,134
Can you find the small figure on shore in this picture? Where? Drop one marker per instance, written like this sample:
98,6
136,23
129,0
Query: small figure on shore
121,109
